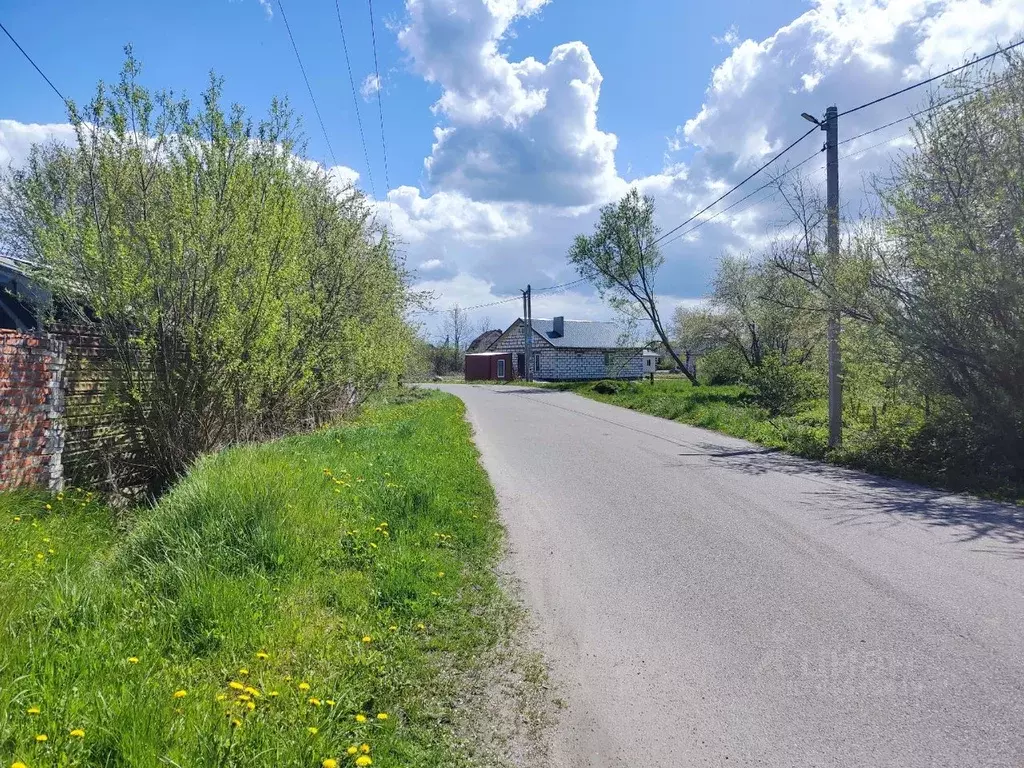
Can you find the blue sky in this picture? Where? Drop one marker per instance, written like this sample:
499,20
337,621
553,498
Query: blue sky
509,122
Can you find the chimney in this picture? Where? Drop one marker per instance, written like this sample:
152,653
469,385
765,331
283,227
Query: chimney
559,327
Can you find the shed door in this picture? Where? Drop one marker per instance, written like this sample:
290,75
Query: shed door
521,363
501,368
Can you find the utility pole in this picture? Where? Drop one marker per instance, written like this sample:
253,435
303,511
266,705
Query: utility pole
835,364
527,333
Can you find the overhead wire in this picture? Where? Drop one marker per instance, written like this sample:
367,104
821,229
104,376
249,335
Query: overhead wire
309,88
355,98
380,103
33,63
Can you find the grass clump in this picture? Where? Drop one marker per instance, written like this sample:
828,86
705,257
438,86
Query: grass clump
284,604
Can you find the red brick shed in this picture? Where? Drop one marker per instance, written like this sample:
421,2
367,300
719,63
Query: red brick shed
489,366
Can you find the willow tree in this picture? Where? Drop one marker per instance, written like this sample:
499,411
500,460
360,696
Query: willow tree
242,293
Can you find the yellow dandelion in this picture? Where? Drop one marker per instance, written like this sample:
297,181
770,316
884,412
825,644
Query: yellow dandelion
363,760
440,574
48,506
273,693
222,696
18,764
314,701
382,715
262,655
287,678
364,748
180,694
330,762
42,737
243,671
33,710
39,555
236,723
313,731
252,692
17,519
133,659
250,705
353,750
367,639
303,686
393,628
236,685
360,718
329,702
77,733
421,627
244,697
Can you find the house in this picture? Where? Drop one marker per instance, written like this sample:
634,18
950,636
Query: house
572,350
483,341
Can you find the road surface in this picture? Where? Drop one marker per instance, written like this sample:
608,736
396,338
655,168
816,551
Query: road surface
705,602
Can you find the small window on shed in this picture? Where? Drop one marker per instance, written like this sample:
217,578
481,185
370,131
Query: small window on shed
607,358
501,369
536,362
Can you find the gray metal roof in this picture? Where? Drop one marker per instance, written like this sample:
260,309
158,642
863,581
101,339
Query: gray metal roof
581,334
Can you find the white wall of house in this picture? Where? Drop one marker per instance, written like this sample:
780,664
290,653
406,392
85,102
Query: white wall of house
559,363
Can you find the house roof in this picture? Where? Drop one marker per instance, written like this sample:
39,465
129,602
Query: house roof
580,334
483,341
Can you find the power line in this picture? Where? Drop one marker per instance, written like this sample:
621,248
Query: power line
308,87
380,103
355,98
36,66
891,123
560,287
932,79
724,195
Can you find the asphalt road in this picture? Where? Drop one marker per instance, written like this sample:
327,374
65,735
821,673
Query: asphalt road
704,602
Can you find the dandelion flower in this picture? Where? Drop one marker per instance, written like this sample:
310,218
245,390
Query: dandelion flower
49,507
78,733
303,686
221,696
313,731
133,659
250,705
393,628
421,627
243,671
252,692
244,697
330,762
17,519
33,710
367,639
262,655
353,750
236,723
360,718
236,685
382,715
363,760
364,748
314,701
42,737
18,764
180,694
272,693
329,702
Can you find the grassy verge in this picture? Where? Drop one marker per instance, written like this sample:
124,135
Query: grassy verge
899,444
311,600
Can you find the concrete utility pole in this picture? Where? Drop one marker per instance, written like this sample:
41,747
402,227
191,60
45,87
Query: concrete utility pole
527,333
835,364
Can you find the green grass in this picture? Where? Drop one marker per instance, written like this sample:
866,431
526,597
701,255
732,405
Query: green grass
357,561
902,443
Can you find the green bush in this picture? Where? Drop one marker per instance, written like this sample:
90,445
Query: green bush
778,388
721,366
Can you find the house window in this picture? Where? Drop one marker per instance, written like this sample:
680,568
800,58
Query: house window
501,369
607,359
536,362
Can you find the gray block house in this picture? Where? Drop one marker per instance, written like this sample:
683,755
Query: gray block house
572,350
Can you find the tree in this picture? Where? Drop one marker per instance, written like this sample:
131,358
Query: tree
947,279
621,259
242,294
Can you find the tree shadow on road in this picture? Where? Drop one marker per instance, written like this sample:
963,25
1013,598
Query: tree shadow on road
852,497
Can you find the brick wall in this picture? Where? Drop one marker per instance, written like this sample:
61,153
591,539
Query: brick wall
559,363
31,406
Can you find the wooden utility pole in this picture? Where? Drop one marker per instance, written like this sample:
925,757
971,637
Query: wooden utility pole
527,333
835,363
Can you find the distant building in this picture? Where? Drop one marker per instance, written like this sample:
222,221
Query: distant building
483,341
572,350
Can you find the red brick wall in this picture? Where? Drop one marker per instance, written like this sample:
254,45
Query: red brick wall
31,408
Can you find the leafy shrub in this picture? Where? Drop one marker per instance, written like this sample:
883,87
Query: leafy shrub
609,387
780,388
721,366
